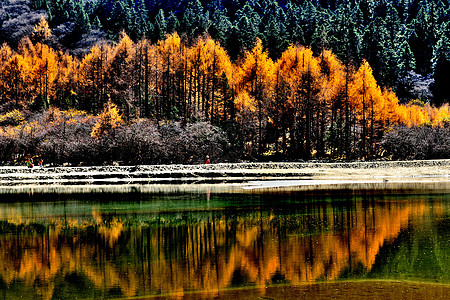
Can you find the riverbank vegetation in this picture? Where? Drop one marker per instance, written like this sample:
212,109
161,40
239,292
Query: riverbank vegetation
178,98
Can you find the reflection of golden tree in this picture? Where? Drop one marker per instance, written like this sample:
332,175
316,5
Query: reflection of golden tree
205,255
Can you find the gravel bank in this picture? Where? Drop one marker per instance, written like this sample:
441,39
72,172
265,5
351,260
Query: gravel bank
248,175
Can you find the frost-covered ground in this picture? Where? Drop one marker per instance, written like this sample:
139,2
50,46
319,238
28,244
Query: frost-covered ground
430,174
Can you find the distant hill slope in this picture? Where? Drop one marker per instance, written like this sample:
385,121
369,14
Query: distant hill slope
406,42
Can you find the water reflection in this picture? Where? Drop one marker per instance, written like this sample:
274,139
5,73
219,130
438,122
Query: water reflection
161,245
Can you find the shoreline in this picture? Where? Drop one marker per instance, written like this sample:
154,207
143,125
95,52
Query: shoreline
345,289
430,175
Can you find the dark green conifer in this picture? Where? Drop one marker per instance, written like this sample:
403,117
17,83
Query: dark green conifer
160,27
441,66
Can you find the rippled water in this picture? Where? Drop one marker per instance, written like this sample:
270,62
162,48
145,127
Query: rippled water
134,244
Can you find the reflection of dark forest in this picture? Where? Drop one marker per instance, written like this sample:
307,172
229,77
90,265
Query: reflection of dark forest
130,254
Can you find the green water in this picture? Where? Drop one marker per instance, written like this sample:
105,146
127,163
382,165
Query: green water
130,245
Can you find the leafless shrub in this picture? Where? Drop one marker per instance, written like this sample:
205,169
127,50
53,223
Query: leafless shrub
418,143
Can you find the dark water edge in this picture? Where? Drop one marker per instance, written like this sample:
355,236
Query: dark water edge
363,289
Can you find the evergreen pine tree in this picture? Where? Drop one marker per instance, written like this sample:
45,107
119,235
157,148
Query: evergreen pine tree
293,25
441,66
160,27
195,22
273,28
244,31
119,18
82,22
220,24
139,24
172,23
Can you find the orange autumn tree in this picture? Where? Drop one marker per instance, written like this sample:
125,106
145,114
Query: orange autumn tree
301,104
107,121
331,106
119,74
441,116
6,85
390,114
254,88
41,31
144,72
67,81
142,68
300,69
414,114
208,65
38,66
437,116
45,71
170,66
25,60
366,99
92,75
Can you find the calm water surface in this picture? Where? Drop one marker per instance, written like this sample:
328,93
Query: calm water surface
127,245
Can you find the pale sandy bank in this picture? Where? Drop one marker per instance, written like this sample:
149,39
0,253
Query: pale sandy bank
431,175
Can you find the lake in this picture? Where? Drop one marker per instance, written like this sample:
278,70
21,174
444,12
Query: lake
207,244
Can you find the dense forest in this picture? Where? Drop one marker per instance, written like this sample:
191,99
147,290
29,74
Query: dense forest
406,42
236,79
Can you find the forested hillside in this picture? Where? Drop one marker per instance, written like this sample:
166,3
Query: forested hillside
406,42
175,81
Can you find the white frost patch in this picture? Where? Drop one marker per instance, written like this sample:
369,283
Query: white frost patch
311,183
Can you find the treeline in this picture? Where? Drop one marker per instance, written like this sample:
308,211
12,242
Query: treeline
405,42
299,106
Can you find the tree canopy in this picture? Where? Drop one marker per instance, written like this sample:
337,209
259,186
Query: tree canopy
399,39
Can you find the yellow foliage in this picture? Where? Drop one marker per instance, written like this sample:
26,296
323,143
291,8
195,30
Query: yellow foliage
414,115
14,117
41,30
171,52
391,112
243,100
333,80
30,128
300,69
441,115
365,94
208,54
172,41
72,112
68,73
109,119
256,76
5,53
123,52
308,83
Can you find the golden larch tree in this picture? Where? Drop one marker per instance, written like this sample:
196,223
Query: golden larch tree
209,62
119,74
171,66
301,70
109,119
366,98
255,86
41,31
